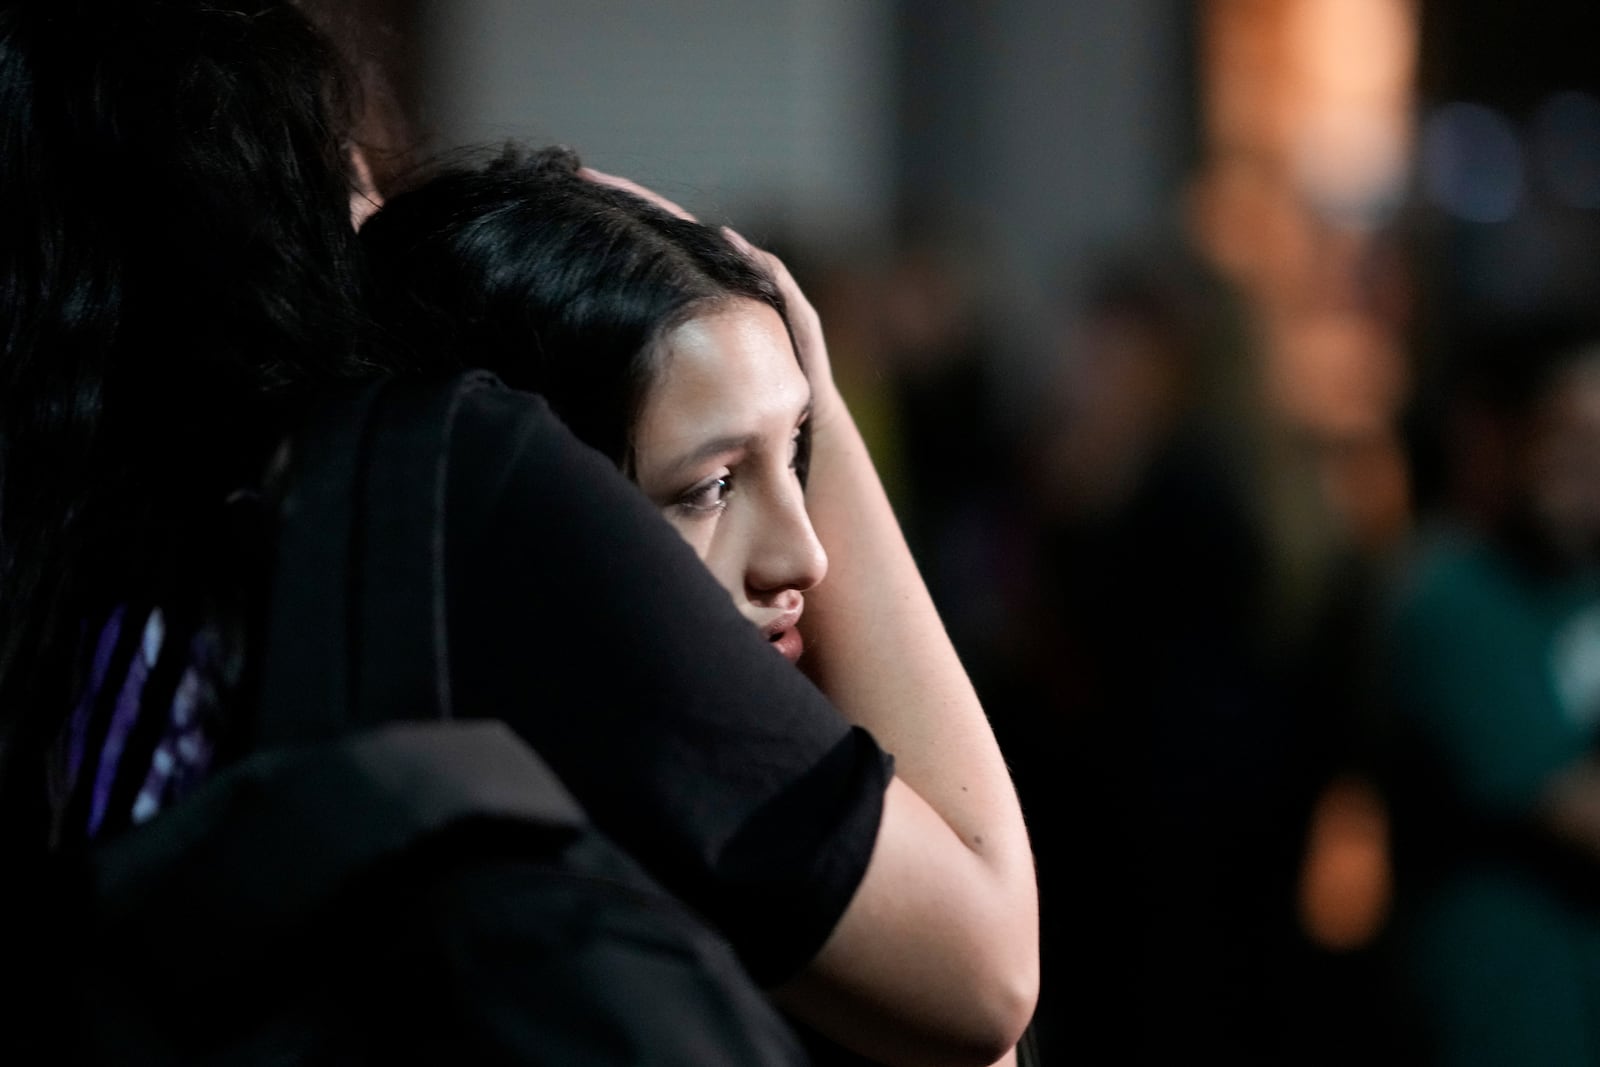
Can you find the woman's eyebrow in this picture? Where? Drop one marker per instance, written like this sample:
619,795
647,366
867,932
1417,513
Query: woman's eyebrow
720,446
716,446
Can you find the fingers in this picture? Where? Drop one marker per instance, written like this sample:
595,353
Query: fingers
737,240
628,186
799,306
773,266
803,317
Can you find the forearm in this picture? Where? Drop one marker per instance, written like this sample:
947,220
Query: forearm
876,646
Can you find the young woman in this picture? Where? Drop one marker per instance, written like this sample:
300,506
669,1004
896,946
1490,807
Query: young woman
697,367
655,339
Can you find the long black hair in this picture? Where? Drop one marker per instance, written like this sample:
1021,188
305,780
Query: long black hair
176,260
557,284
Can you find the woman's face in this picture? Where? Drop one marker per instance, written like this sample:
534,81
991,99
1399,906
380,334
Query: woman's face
718,447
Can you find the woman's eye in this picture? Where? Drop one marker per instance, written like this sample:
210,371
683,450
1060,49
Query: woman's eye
800,459
709,495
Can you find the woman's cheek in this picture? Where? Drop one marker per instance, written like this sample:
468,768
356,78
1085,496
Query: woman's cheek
696,530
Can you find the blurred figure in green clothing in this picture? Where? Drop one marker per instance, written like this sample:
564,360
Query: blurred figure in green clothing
1493,657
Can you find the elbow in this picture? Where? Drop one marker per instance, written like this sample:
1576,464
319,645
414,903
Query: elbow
1010,978
1005,1008
999,964
967,1008
936,959
1016,1012
996,995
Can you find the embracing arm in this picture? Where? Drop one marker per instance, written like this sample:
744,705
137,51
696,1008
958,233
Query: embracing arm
944,927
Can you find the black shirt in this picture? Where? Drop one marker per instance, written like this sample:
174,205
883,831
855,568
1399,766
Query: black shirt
581,618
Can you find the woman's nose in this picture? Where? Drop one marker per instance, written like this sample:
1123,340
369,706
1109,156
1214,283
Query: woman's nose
787,553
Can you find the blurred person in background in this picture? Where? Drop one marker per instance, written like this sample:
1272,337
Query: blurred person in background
1165,773
1492,665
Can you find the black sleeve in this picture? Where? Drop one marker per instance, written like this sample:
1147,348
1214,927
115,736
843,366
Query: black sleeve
581,618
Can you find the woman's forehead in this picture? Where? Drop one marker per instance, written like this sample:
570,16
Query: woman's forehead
731,372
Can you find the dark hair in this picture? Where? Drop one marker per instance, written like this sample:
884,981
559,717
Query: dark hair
176,258
558,284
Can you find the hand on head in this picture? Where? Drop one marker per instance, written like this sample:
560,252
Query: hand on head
629,186
803,318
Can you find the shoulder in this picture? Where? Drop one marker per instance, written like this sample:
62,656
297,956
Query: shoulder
508,454
486,408
496,431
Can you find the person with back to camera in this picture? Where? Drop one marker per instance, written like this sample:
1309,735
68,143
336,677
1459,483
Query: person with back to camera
164,326
695,364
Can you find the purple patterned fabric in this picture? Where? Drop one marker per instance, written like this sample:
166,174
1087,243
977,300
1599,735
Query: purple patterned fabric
184,753
78,725
114,707
123,714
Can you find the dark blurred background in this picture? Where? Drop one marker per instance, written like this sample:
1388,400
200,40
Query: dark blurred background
1150,311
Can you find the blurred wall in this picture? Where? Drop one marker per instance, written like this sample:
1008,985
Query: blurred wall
1038,130
776,111
1055,129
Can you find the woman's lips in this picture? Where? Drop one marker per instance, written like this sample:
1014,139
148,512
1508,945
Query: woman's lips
782,634
788,642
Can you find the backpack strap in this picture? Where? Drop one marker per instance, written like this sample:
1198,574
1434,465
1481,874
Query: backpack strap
401,646
306,681
356,634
